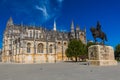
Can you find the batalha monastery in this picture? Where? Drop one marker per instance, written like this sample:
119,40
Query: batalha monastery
31,44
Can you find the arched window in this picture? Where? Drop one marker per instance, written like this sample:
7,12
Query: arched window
65,43
40,48
28,48
59,43
50,48
30,33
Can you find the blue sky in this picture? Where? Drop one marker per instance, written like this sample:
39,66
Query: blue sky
82,12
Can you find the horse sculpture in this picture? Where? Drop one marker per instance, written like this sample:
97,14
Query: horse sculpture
97,33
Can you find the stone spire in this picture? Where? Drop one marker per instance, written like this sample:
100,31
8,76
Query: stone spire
85,29
77,28
10,22
54,26
72,26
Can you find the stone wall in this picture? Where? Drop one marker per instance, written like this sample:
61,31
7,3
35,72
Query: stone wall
101,55
34,58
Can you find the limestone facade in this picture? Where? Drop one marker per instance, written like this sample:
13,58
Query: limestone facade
101,55
35,44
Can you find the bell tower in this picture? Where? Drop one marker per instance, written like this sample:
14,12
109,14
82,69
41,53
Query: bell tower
72,30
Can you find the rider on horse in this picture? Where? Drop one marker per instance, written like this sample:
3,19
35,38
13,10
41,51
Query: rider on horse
98,27
97,33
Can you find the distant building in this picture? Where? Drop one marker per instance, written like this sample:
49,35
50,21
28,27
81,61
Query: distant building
31,44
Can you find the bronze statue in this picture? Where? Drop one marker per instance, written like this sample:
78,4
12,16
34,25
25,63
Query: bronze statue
97,33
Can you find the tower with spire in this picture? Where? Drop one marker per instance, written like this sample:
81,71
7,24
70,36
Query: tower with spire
77,32
72,27
54,26
72,30
10,22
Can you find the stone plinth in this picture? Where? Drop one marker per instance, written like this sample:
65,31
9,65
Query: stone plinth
101,55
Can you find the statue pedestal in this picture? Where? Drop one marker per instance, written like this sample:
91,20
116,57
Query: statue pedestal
101,55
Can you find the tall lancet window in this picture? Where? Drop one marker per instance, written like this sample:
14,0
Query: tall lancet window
40,48
30,33
50,48
28,48
36,34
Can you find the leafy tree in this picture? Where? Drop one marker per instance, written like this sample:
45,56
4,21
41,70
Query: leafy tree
75,49
68,53
117,51
90,43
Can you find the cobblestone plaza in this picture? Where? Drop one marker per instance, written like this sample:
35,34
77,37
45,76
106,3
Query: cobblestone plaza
58,71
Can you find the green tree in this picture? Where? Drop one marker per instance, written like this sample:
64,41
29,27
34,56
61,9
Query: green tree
90,43
83,54
117,51
75,49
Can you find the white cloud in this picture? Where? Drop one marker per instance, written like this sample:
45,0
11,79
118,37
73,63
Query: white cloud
44,11
60,1
49,9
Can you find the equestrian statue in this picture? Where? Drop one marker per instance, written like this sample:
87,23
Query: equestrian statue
97,33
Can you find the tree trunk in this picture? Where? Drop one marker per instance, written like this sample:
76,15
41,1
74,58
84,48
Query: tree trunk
75,59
